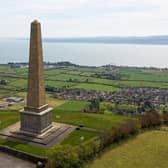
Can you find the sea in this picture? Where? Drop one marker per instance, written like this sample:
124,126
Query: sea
91,54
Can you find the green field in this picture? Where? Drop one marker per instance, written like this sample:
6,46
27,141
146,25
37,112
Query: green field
71,106
98,121
71,77
144,74
97,87
147,150
69,112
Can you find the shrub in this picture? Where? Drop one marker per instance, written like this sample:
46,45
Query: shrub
155,119
114,135
165,118
88,150
63,157
144,120
75,157
150,119
128,128
70,157
107,138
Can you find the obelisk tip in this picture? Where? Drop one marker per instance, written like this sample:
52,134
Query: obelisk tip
35,22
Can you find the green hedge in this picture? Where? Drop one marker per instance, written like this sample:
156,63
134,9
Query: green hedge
75,157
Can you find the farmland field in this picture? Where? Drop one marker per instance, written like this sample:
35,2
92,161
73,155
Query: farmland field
86,78
77,106
96,87
150,145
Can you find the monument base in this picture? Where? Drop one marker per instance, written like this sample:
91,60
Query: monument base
36,123
50,137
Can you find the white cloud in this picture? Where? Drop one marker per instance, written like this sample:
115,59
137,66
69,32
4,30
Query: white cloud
85,17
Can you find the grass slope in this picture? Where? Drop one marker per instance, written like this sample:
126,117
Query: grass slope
147,150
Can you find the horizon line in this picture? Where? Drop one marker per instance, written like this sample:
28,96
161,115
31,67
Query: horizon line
117,36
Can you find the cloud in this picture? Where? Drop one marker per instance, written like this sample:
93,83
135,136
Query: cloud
85,17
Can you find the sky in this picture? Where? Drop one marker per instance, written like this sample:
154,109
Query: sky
84,18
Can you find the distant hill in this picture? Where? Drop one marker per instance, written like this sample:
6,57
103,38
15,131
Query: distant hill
70,64
155,40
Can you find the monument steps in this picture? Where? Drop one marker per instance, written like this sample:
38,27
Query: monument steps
55,135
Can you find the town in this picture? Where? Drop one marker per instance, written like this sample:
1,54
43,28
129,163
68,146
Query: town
130,95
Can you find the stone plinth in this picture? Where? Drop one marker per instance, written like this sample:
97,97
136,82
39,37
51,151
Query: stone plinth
57,133
36,122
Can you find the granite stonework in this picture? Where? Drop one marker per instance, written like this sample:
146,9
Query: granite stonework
36,122
36,116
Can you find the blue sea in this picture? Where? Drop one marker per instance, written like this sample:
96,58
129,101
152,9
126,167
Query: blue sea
94,54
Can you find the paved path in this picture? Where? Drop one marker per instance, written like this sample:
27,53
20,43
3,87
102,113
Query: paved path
8,161
91,129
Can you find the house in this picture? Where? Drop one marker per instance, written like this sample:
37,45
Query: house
14,99
3,104
3,82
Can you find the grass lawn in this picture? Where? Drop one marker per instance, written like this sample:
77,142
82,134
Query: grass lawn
21,94
98,121
75,137
72,106
147,150
19,83
16,107
8,118
54,102
24,147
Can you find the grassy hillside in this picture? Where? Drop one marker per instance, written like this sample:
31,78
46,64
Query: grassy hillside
71,112
147,150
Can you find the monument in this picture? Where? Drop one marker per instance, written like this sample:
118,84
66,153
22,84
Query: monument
36,127
36,116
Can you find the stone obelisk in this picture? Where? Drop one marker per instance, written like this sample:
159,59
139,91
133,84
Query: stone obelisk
36,116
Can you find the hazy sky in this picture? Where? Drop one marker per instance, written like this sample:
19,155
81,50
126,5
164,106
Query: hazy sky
66,18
